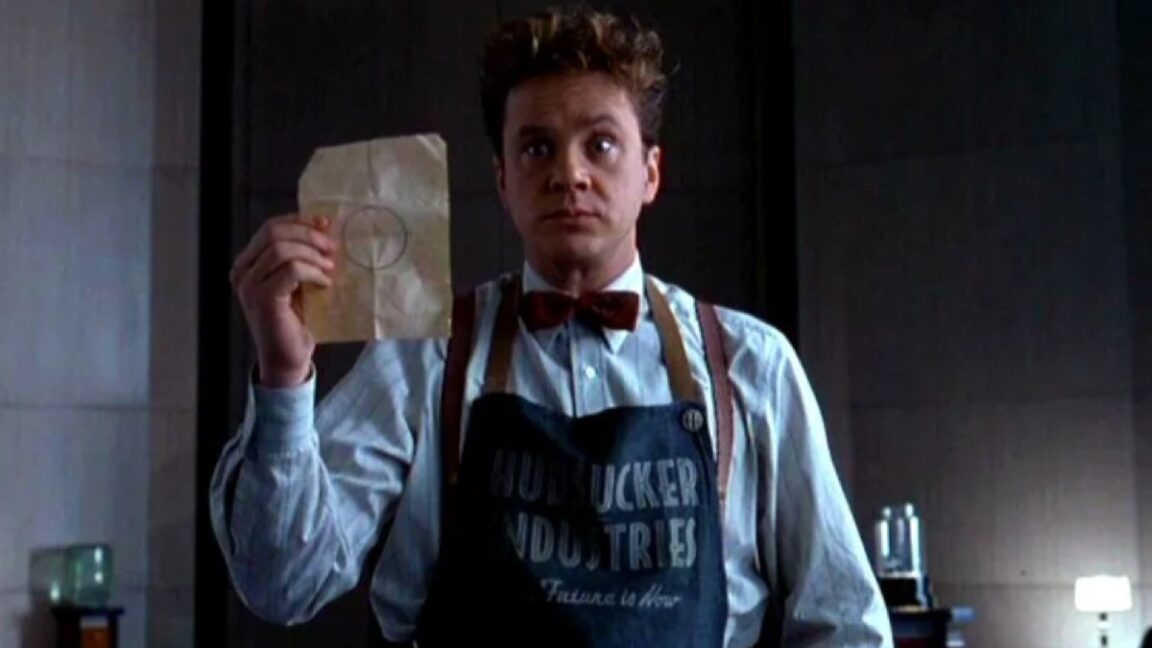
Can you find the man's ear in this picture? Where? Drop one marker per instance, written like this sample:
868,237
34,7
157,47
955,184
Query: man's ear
652,164
498,171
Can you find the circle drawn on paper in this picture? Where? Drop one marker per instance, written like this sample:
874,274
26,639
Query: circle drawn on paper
375,238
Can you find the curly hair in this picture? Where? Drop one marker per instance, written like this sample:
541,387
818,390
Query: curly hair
573,39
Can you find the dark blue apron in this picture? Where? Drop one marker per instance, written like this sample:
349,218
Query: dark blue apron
600,530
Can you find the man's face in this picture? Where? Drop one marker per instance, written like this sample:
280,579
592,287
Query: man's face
575,173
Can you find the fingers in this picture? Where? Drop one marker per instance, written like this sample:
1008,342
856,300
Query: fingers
282,280
288,277
280,271
282,252
295,228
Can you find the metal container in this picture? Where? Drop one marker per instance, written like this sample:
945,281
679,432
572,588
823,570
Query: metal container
898,557
898,542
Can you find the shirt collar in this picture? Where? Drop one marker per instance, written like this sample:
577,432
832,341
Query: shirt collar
631,280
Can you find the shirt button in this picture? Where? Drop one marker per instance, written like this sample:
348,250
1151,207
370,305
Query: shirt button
590,373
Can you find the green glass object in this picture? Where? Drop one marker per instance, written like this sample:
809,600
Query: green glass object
79,575
89,574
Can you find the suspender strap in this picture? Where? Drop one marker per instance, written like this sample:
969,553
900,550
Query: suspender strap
452,390
721,393
675,358
503,338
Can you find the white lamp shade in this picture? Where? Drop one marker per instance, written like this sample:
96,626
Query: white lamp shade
1103,594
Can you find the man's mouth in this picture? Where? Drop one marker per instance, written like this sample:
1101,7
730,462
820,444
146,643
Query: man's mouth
569,215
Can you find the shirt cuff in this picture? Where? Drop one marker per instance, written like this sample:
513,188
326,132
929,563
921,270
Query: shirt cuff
284,416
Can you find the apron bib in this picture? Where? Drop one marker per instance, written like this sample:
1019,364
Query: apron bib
600,530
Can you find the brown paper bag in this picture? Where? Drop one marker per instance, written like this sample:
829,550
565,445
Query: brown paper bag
388,204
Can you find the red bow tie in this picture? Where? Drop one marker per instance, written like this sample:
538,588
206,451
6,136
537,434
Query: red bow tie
611,309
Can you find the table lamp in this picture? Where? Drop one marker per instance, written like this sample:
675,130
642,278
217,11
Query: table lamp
1103,595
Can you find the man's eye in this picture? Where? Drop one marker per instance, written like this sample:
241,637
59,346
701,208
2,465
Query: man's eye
538,148
603,144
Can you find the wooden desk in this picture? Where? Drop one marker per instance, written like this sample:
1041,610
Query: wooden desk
936,628
87,627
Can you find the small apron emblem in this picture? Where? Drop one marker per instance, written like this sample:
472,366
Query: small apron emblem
692,420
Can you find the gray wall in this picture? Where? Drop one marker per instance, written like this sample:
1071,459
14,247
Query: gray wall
967,301
98,154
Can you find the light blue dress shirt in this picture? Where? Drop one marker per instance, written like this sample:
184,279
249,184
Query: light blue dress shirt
300,495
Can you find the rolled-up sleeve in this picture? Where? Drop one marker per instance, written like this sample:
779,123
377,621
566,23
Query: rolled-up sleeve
301,492
827,594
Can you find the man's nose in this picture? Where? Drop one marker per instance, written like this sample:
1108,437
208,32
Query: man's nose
570,172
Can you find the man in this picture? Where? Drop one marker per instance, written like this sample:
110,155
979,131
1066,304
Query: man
595,459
